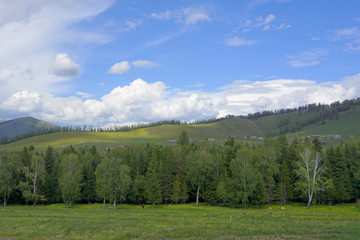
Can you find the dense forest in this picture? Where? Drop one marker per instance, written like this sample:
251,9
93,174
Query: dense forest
235,173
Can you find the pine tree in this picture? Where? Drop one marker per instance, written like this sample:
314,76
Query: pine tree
51,183
183,138
176,191
153,188
339,175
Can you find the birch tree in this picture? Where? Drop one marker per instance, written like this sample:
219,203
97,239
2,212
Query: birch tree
311,167
70,179
8,174
35,177
244,175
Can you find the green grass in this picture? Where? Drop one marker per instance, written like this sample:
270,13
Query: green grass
346,125
179,221
160,134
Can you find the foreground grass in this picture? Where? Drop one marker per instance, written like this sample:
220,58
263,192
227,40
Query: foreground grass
178,221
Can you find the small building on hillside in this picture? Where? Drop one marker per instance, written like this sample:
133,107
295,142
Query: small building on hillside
172,142
211,139
329,137
313,136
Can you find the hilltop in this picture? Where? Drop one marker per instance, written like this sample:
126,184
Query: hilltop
315,119
22,126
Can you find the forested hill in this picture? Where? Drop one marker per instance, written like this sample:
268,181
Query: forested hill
314,119
23,126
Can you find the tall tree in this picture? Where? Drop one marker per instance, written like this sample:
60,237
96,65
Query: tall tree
244,175
310,170
120,180
138,188
200,168
153,189
183,138
103,185
70,179
339,174
51,176
88,163
34,178
8,175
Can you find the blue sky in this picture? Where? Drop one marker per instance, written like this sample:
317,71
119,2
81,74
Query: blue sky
109,62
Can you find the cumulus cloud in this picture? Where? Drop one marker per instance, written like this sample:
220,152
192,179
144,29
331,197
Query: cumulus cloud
307,58
120,68
63,66
235,42
32,32
147,102
187,16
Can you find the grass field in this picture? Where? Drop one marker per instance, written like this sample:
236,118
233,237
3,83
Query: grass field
179,221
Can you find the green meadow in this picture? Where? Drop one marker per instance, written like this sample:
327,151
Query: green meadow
85,221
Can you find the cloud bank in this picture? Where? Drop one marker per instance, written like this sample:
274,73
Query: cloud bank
141,101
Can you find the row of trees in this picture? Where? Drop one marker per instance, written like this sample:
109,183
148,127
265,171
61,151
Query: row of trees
234,173
323,113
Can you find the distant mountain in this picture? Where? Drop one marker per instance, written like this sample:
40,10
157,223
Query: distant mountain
337,119
22,126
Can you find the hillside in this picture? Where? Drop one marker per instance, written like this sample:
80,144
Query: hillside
160,134
21,126
343,119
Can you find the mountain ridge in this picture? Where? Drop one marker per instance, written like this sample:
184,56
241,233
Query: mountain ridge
22,126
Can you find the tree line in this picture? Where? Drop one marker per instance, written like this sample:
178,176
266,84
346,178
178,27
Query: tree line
323,112
234,173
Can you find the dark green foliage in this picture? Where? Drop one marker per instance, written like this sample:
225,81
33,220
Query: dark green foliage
183,138
339,173
236,173
70,179
153,181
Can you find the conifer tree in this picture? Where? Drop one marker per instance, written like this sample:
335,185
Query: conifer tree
153,188
339,175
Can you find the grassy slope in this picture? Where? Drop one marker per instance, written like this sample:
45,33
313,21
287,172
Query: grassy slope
347,125
161,134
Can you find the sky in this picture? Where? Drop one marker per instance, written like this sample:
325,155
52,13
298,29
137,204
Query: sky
117,62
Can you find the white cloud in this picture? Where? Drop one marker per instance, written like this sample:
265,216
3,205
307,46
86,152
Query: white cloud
263,23
307,58
254,3
350,34
193,16
32,32
132,24
120,68
85,95
63,66
162,16
143,64
147,102
187,16
235,42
